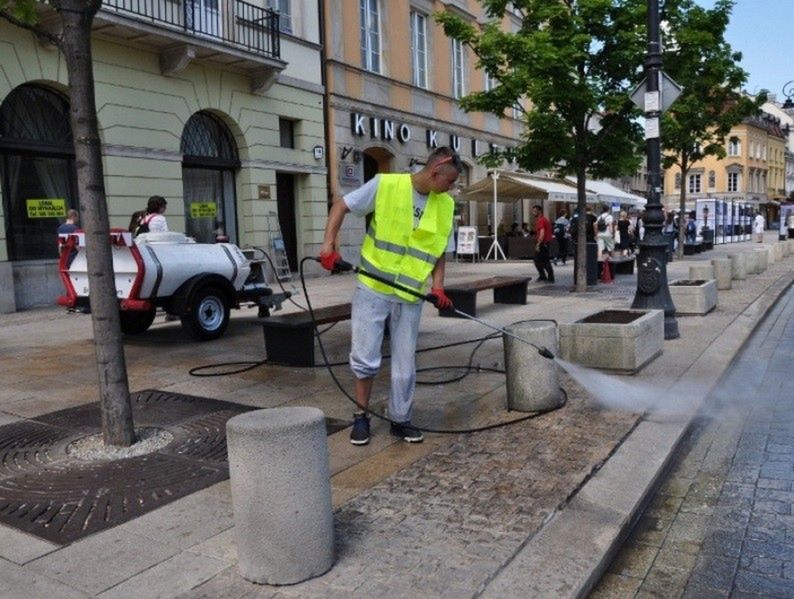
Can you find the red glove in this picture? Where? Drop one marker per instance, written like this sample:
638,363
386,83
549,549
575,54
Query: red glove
441,301
329,261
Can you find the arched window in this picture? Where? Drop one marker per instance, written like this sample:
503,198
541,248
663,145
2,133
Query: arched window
209,162
36,169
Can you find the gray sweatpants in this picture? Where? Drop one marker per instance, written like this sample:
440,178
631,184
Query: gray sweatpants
369,313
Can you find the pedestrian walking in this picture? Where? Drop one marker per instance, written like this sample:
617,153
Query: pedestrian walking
542,242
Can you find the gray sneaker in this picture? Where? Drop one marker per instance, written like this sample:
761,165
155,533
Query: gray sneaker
407,432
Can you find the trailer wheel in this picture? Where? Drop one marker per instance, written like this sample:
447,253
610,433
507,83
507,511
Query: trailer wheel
135,321
208,315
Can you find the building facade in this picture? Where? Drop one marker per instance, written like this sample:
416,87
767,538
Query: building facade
752,172
218,107
393,81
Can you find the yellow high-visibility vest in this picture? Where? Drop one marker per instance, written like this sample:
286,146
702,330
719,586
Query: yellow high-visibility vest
393,249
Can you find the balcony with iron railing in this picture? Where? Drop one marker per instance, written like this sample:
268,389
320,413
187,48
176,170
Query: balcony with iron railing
230,34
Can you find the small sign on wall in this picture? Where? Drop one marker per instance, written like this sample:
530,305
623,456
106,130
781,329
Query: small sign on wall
349,173
46,208
263,192
203,209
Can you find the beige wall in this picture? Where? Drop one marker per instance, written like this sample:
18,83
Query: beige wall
142,114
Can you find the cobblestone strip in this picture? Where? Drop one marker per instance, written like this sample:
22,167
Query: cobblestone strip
722,524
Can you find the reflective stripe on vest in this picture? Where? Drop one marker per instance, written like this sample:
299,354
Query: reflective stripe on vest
393,249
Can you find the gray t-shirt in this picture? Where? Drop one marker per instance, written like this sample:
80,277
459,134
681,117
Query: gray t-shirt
361,202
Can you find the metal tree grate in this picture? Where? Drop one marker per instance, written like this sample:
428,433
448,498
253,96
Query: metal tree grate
48,493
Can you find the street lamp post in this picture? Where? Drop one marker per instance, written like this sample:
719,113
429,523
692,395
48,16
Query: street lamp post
652,291
788,91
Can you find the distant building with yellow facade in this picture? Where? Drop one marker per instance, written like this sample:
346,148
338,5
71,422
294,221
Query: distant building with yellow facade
752,172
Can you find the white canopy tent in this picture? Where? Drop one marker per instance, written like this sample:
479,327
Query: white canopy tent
511,186
606,193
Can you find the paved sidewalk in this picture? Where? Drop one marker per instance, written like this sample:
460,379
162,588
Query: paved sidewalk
722,523
455,516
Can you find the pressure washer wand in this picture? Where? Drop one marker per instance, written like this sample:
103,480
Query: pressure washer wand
341,265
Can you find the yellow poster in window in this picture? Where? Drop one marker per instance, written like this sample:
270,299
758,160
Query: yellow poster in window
46,208
203,209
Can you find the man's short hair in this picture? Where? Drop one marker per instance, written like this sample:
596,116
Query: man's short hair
445,154
72,213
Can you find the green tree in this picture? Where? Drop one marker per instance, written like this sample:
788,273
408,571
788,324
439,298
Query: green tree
572,63
74,40
697,57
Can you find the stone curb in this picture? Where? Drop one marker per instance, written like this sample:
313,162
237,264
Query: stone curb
568,556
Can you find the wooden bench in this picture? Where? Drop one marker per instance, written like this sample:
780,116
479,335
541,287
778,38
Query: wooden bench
289,339
621,265
506,290
693,248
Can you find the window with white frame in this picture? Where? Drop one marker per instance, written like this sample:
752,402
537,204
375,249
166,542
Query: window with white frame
712,179
458,69
734,147
284,10
369,12
677,181
490,82
419,49
733,181
694,183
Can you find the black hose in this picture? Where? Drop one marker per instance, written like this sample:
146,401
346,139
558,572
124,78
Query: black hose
247,366
386,419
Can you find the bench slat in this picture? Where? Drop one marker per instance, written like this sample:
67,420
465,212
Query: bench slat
490,283
324,315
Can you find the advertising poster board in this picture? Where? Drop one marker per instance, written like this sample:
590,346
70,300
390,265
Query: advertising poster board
467,242
786,222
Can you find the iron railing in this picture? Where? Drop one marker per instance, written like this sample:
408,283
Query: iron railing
232,22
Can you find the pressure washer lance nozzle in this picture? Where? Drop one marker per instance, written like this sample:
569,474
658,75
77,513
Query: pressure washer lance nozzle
544,351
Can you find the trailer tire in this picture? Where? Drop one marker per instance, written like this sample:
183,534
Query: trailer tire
208,313
134,322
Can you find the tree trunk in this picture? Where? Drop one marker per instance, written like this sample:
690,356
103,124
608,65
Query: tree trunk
117,426
681,209
581,229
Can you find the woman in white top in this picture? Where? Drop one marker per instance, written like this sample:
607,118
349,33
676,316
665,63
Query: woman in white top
758,227
154,218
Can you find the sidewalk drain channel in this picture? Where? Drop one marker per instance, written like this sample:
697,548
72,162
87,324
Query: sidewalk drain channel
47,492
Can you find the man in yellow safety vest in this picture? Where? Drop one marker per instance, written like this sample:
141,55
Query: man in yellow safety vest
410,231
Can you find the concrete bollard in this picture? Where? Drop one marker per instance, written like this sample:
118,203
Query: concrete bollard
702,271
533,382
723,272
763,259
738,266
778,251
752,261
281,494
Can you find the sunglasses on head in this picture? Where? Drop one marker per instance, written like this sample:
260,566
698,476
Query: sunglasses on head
453,159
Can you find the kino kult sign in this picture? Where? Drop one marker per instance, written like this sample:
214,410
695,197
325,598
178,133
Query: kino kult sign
388,130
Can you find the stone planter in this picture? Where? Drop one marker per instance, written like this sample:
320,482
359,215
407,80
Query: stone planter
763,259
693,297
738,266
701,271
753,262
617,340
723,272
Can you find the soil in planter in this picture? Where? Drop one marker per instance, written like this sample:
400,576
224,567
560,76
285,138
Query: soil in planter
613,317
687,283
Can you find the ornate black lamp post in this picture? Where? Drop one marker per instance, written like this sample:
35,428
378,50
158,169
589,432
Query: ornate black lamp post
652,291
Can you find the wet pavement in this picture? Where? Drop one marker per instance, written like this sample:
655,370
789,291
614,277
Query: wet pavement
722,524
